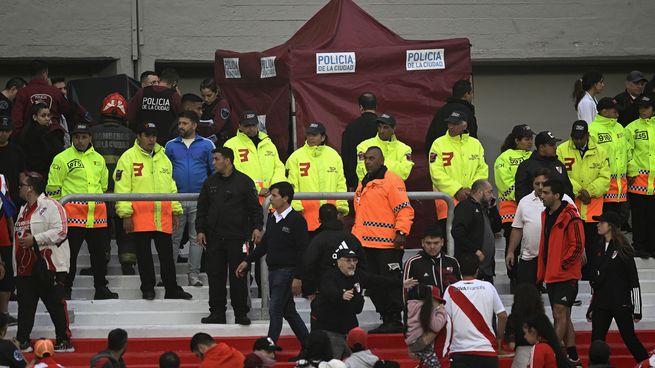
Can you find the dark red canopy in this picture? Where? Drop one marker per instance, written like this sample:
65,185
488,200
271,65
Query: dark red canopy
339,53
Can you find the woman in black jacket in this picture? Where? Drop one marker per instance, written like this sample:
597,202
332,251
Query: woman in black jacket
41,140
615,283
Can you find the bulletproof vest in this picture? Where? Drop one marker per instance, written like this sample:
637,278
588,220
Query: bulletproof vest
157,107
110,140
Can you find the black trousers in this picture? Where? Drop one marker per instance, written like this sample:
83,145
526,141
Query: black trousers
222,262
643,231
386,262
600,324
591,241
125,243
473,361
164,246
28,292
527,271
511,273
97,241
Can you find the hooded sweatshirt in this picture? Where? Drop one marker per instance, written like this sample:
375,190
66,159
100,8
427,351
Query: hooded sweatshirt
362,359
414,329
224,356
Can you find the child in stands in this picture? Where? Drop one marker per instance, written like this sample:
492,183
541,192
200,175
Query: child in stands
426,318
546,351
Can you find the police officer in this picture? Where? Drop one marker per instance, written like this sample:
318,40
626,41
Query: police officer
215,122
144,168
456,161
80,169
383,219
255,154
588,169
316,167
228,217
397,155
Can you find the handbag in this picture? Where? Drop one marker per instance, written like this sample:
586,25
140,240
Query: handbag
43,276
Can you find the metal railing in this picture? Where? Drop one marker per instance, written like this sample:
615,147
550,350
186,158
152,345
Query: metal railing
264,289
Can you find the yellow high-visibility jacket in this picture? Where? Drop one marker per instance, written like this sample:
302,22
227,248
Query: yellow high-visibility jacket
262,163
397,156
641,160
611,137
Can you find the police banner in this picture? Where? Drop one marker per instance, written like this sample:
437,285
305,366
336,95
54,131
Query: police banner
268,67
335,62
232,68
425,59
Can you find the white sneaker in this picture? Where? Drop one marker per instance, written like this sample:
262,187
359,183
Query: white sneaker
195,281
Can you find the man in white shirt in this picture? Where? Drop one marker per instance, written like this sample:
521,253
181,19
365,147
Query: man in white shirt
526,230
472,305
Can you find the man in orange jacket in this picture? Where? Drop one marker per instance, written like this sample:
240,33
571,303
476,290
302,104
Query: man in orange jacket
213,354
383,218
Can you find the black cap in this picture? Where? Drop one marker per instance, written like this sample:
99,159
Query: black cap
386,119
248,118
81,128
606,103
644,101
579,129
5,123
346,253
266,343
545,137
635,76
522,130
611,217
148,128
456,117
315,127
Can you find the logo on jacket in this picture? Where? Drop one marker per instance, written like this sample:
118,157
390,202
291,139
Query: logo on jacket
559,169
118,174
474,157
286,229
604,137
269,154
225,113
433,157
641,134
515,161
42,211
43,98
426,275
332,169
75,164
357,287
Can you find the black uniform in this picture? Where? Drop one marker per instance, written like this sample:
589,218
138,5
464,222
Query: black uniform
528,168
12,163
228,212
215,122
627,108
10,355
363,128
439,126
321,254
5,105
157,104
439,271
616,295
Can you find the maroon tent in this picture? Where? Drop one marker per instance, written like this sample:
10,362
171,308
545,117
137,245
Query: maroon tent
339,53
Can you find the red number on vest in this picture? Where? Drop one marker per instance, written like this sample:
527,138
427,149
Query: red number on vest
138,168
243,154
568,163
447,158
304,168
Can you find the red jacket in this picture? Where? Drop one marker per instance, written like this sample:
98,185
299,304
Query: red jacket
224,356
542,356
39,90
565,247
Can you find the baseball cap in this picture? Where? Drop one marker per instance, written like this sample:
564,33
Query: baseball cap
346,253
81,128
253,361
248,118
5,123
44,348
315,127
386,119
579,129
357,336
456,117
114,106
606,103
635,76
545,137
522,130
148,128
611,217
644,101
266,343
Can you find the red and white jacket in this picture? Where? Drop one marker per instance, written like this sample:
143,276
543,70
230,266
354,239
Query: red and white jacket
47,224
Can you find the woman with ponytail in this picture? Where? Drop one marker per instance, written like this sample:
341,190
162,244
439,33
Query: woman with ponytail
584,94
615,284
546,350
426,318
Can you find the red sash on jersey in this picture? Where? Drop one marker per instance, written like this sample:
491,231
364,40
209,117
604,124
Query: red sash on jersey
473,314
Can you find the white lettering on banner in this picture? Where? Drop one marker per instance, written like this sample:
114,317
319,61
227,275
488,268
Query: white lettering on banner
262,123
335,62
268,67
425,59
231,67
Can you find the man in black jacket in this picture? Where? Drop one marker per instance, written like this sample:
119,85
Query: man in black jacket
626,101
322,250
459,101
475,222
363,128
544,157
229,215
284,243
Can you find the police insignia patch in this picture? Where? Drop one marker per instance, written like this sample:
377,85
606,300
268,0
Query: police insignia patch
433,157
360,156
225,113
119,175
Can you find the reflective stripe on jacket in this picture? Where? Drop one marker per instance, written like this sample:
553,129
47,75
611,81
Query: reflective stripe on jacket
75,172
610,136
591,173
397,156
316,169
138,171
641,159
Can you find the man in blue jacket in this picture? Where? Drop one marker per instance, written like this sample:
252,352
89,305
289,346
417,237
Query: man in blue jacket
191,156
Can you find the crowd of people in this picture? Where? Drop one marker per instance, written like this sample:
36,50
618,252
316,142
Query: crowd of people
561,208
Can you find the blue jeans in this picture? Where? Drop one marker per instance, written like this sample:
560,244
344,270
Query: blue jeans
195,249
283,306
